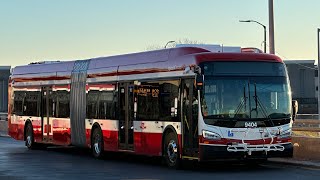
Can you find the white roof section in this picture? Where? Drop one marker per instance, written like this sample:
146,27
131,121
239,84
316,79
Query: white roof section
213,47
299,61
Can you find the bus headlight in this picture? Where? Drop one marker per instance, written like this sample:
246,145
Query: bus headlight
210,135
285,134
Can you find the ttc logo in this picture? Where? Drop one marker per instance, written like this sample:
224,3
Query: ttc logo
230,133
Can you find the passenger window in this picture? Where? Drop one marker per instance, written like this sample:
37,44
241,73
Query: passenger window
107,105
63,104
19,98
92,104
158,100
32,102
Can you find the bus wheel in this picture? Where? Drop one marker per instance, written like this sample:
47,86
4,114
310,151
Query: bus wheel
97,146
171,151
29,137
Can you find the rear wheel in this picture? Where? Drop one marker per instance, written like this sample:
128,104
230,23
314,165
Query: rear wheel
29,137
171,151
97,145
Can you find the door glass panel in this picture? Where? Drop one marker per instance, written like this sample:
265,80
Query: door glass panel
130,114
122,116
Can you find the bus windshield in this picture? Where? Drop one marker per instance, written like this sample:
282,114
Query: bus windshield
244,97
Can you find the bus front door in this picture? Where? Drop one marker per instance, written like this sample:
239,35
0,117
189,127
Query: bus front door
126,132
189,119
46,112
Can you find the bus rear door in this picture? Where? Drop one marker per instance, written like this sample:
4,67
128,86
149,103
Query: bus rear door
46,112
126,117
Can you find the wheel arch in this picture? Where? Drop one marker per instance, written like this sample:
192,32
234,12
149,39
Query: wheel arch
168,129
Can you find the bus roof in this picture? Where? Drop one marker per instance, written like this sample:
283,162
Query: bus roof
110,61
136,63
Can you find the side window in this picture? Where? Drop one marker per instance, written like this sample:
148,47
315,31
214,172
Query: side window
148,101
19,98
32,102
158,100
63,104
107,105
92,104
102,101
169,95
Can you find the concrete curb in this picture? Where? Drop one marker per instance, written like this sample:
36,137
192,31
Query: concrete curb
295,162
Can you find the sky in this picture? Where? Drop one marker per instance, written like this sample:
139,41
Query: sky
42,30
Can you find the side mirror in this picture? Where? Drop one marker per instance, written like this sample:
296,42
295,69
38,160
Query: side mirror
294,109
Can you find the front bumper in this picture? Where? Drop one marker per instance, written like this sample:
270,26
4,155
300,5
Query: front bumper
211,152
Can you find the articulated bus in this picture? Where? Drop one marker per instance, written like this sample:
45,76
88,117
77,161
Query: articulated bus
183,103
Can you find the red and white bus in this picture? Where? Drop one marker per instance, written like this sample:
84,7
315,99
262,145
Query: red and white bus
179,103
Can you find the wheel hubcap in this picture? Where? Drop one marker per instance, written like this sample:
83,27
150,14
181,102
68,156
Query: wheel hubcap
172,151
96,144
29,141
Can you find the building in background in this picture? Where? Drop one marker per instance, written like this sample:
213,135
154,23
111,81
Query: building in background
303,80
4,78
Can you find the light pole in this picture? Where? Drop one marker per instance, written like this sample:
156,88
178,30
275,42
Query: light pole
264,33
271,28
318,32
168,43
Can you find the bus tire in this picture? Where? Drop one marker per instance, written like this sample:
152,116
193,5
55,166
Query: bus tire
97,145
171,151
29,137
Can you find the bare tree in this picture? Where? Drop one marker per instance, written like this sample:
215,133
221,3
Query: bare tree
173,44
153,47
188,41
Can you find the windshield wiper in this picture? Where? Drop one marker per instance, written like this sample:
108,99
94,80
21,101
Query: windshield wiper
243,103
258,103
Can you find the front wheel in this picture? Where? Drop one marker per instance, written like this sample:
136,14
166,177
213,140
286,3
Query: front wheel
97,145
171,151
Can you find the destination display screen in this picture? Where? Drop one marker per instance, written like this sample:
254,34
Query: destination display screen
243,68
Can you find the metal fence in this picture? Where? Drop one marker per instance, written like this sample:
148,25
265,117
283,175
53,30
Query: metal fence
307,122
308,116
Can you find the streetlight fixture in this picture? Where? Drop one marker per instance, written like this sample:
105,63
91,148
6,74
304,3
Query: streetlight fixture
168,43
265,32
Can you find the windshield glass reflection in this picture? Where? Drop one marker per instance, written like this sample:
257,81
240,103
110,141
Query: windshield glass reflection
246,98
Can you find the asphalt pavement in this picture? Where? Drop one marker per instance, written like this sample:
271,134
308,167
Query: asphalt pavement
17,162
